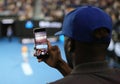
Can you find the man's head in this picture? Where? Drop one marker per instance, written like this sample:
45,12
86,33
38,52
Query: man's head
83,21
87,26
86,51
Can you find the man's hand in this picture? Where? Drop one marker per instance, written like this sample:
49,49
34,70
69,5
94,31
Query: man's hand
54,59
53,56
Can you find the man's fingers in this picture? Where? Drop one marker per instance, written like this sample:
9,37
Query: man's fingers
39,60
49,45
37,52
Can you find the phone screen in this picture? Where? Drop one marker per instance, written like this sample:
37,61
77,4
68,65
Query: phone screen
41,40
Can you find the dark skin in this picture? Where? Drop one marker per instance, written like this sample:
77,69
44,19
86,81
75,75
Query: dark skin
76,53
54,59
89,53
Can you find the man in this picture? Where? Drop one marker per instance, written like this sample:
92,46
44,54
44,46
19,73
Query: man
88,34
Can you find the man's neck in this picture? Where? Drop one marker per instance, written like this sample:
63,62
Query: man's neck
91,58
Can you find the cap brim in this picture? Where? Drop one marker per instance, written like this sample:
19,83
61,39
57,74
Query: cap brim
58,33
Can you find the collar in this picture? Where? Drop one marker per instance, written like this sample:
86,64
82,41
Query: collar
91,67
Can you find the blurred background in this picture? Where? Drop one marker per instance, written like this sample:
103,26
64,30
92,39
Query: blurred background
18,18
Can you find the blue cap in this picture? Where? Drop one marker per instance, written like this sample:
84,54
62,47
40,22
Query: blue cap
81,22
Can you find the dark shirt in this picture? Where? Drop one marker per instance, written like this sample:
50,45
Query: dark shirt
92,73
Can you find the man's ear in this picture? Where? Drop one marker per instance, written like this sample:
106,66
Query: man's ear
72,45
69,49
69,45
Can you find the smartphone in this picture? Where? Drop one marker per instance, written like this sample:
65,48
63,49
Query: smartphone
40,40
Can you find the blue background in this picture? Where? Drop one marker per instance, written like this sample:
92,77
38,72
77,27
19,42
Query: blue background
10,65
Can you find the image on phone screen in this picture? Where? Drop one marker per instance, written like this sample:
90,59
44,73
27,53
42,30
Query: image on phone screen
41,40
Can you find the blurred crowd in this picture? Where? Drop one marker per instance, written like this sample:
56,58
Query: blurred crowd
56,9
21,8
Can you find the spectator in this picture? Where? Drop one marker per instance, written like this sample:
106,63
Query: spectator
9,33
88,30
